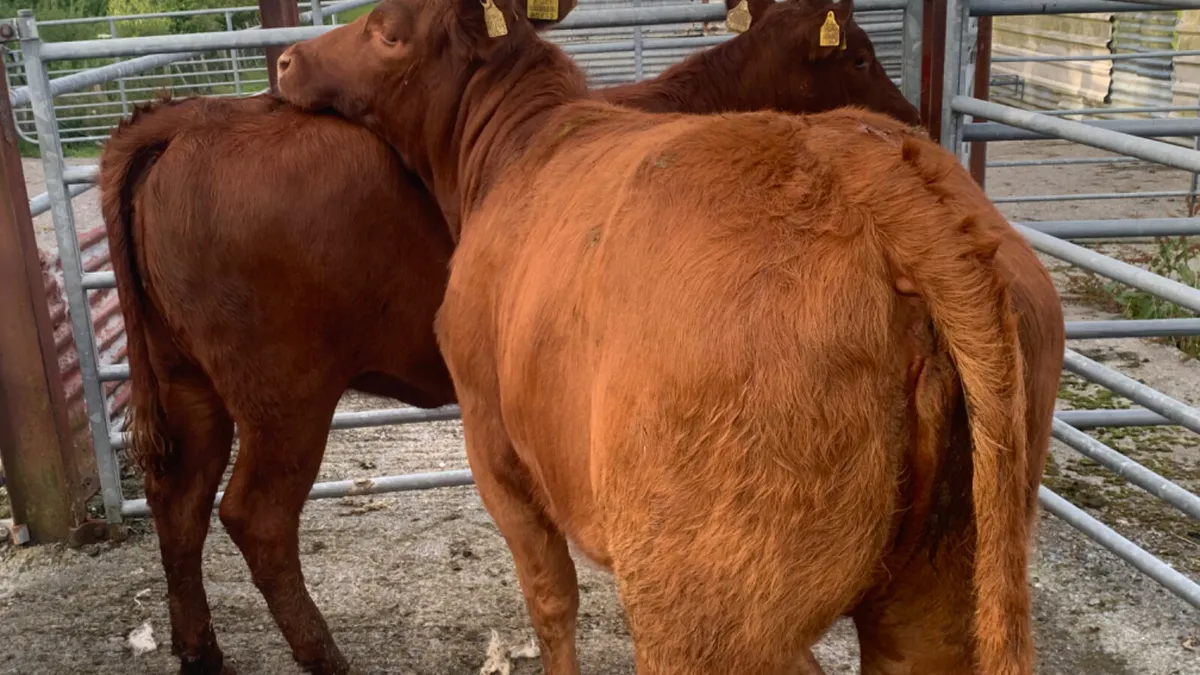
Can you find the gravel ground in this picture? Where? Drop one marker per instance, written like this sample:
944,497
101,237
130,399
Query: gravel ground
416,583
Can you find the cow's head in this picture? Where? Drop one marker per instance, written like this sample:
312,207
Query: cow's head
810,55
405,51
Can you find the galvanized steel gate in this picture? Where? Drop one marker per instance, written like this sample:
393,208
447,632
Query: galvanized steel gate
628,40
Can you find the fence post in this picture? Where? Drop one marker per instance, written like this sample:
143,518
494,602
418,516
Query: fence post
35,438
277,14
983,82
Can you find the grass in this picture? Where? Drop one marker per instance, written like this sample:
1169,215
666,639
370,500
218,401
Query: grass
1176,258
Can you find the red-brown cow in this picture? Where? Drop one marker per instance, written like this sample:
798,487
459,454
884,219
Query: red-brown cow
268,259
732,357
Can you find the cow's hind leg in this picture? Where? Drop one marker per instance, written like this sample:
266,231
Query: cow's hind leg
278,460
544,566
180,490
921,622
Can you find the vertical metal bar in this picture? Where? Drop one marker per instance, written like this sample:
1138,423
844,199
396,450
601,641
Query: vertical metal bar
233,57
277,14
318,13
983,80
958,56
1195,177
637,49
112,33
35,437
42,103
910,52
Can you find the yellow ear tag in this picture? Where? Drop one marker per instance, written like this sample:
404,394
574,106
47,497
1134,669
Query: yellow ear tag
738,18
830,32
493,18
842,46
545,10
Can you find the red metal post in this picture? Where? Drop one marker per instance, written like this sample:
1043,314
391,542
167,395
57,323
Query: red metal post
933,52
277,14
983,80
43,471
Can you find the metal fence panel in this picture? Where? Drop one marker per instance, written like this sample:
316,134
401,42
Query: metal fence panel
1147,81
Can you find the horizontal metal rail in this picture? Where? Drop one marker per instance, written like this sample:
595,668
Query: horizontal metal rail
1093,134
1125,328
1098,419
1097,57
1118,228
1135,473
270,37
76,175
138,508
1156,128
1019,7
1158,286
1175,410
361,420
96,280
1167,576
1061,161
1033,199
41,203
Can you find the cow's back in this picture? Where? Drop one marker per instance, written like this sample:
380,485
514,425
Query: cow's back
677,299
259,220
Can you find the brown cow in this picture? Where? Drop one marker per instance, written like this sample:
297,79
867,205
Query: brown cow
268,259
732,357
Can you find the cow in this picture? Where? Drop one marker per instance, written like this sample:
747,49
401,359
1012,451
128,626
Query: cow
269,258
768,369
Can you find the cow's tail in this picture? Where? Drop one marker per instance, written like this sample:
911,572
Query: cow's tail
952,267
128,156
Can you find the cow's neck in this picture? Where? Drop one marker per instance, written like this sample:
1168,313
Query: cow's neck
504,103
706,82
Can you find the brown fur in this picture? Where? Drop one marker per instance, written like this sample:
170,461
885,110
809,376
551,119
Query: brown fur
679,343
203,267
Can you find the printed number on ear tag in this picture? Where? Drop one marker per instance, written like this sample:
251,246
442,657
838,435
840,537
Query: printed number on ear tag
545,10
493,18
831,34
738,18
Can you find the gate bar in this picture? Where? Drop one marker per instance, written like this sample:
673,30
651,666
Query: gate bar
1159,286
138,508
1124,549
1093,135
1098,419
1019,7
1155,128
1170,408
1117,228
1128,469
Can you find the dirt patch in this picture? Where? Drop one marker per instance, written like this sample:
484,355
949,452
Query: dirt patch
415,583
